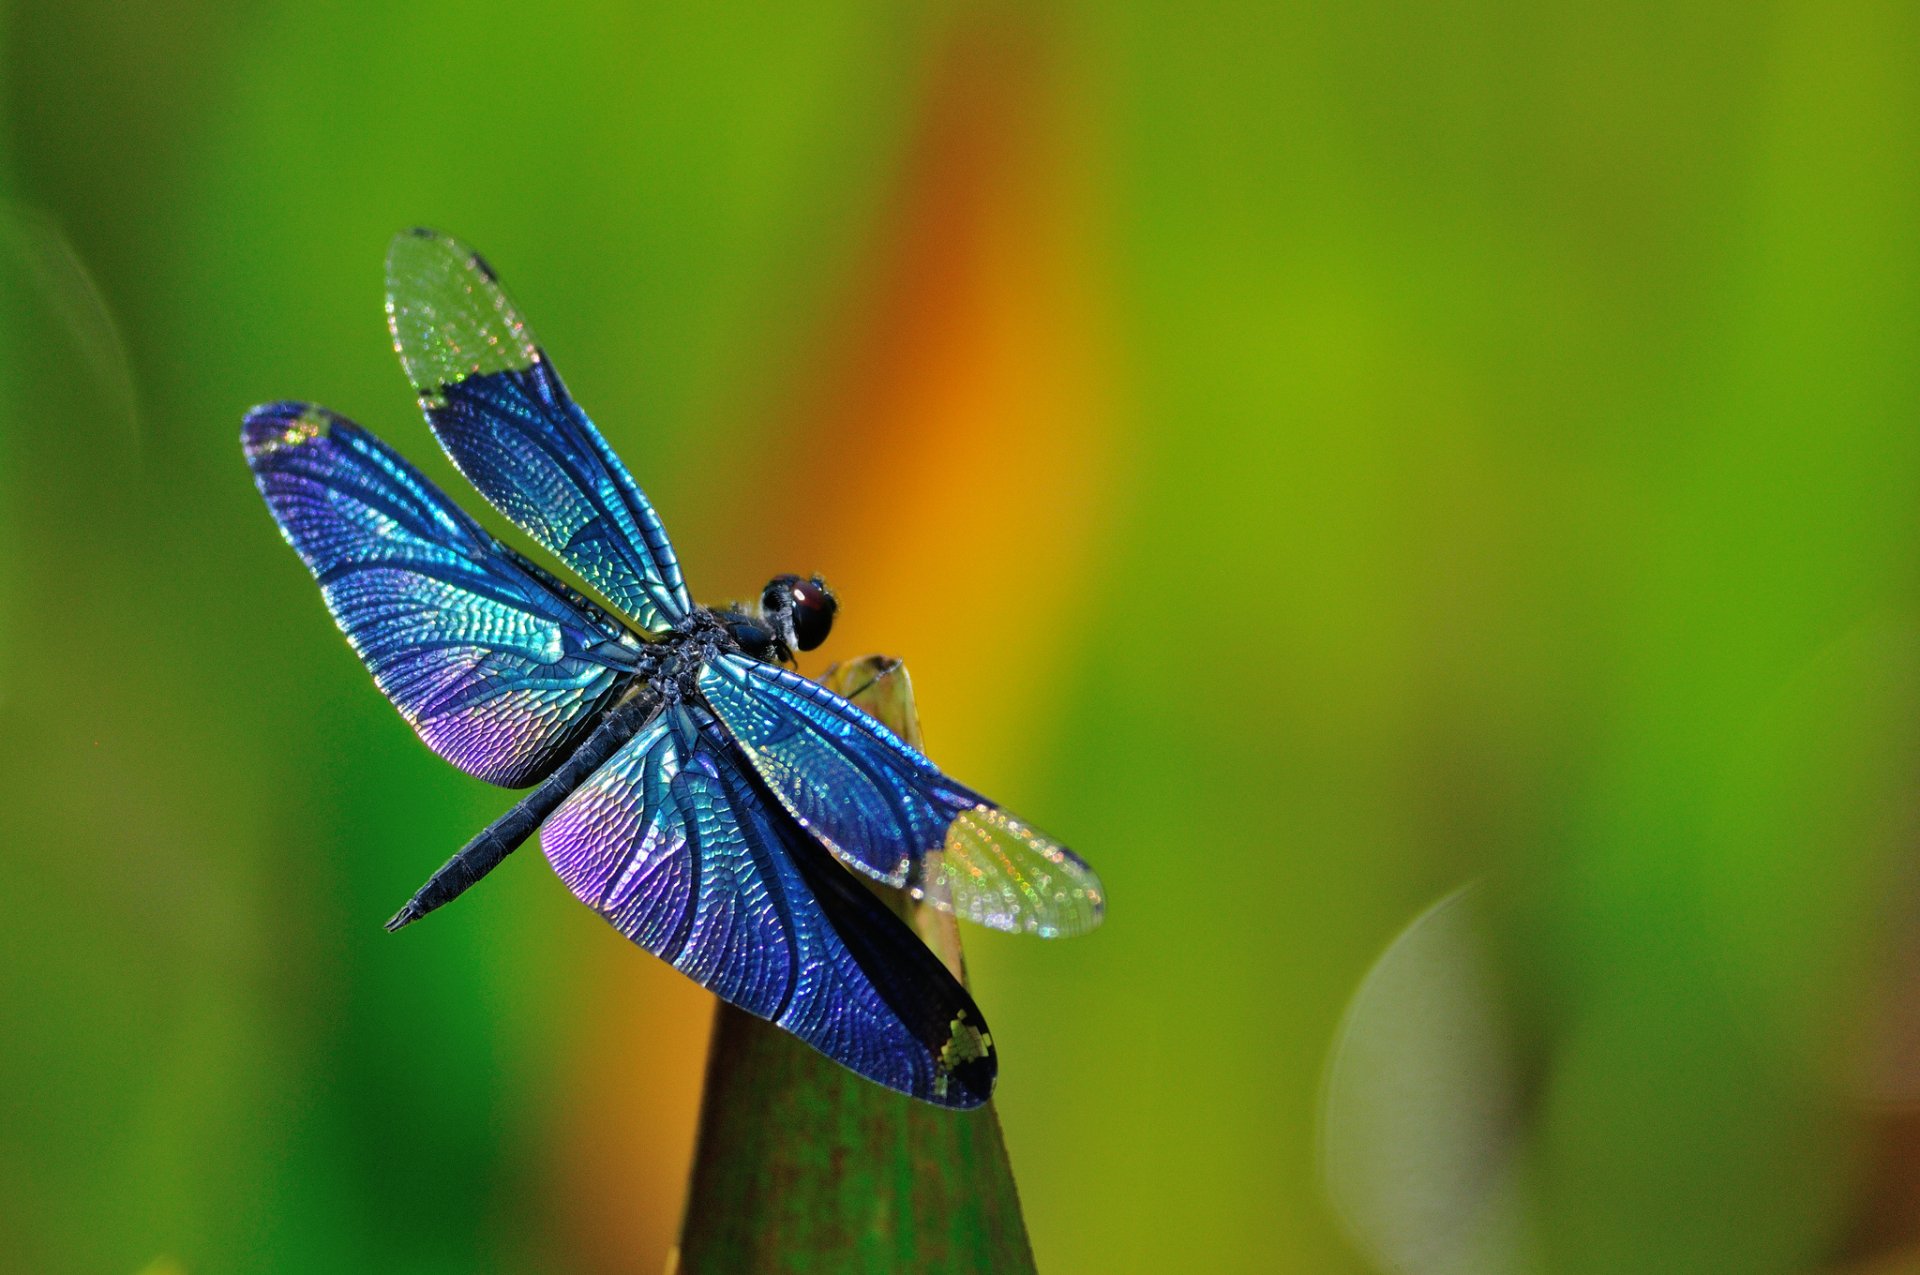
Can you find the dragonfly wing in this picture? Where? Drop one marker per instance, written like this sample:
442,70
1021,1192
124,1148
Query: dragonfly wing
672,844
883,808
499,667
503,416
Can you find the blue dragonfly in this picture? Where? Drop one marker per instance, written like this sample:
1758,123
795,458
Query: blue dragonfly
686,783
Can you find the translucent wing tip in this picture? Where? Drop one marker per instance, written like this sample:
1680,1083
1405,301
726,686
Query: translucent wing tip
996,871
275,427
447,313
419,240
417,245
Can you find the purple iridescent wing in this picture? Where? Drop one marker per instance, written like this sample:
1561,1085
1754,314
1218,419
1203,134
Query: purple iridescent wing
497,665
671,842
503,416
883,808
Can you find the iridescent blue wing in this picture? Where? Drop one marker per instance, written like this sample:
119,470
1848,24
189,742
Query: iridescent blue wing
496,664
498,407
883,808
672,844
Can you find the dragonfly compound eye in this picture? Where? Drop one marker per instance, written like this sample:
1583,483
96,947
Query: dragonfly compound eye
813,608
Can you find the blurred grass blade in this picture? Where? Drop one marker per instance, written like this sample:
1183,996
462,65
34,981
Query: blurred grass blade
40,258
804,1166
1419,1109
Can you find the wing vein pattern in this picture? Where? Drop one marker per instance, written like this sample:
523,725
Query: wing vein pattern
500,668
500,410
673,844
883,808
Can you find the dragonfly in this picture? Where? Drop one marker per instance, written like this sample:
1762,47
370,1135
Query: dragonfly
686,782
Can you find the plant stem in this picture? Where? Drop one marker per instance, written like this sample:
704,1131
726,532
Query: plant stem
802,1166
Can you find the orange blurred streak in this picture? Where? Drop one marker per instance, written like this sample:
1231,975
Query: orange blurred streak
624,1137
963,427
960,423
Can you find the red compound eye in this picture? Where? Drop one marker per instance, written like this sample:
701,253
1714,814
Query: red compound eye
813,608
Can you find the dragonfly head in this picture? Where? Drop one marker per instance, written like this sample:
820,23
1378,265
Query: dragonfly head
799,612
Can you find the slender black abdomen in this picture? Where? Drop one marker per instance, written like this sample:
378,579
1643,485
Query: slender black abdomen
504,835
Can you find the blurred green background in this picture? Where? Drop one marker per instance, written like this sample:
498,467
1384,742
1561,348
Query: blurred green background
1311,457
